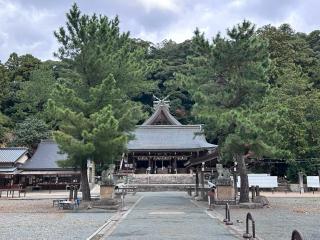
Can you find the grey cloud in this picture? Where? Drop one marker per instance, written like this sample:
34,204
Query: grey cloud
22,32
272,10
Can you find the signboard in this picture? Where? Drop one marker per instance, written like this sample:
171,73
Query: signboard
313,181
159,158
261,180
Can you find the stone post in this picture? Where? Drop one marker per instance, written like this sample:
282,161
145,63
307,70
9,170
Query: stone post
235,180
93,173
253,192
71,193
75,193
202,183
91,169
197,183
257,190
301,182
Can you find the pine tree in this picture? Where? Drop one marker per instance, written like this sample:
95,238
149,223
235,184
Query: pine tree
228,81
92,103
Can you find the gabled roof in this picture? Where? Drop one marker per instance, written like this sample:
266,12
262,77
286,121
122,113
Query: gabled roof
161,116
45,157
11,155
169,138
162,132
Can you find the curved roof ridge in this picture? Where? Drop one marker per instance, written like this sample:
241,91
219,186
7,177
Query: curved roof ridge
162,109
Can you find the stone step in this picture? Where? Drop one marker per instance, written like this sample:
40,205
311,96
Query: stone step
161,187
161,179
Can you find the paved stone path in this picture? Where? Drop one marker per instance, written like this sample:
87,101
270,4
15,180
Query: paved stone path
169,215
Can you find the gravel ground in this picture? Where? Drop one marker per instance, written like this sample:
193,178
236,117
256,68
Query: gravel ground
37,219
284,215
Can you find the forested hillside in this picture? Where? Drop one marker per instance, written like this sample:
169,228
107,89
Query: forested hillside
257,90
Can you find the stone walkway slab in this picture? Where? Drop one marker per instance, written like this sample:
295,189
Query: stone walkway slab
169,215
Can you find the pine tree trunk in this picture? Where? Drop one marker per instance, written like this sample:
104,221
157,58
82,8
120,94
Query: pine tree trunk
244,181
85,184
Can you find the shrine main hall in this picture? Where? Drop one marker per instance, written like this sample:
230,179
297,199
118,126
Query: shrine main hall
162,145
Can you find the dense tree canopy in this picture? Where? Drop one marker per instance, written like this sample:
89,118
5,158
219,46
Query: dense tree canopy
30,132
171,59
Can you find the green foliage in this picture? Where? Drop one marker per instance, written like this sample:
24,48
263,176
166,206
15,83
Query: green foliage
290,50
229,77
30,132
228,82
93,124
35,93
171,59
91,104
94,47
4,82
293,97
20,67
4,129
19,71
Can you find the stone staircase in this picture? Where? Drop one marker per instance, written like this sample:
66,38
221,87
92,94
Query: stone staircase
160,182
161,179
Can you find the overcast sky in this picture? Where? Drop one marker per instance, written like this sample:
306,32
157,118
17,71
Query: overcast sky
26,26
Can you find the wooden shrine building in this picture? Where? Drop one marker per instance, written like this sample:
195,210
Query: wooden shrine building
42,170
10,161
162,145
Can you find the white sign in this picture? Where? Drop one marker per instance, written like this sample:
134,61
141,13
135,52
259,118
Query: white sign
261,180
313,181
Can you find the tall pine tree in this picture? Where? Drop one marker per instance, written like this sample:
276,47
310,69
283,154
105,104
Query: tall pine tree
92,103
228,81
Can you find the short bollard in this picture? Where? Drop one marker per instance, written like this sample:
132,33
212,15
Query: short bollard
189,191
296,235
247,234
227,219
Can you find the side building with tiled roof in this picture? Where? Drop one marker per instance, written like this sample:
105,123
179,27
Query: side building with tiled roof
43,171
10,160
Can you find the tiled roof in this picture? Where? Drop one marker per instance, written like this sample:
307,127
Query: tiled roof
169,137
45,157
161,131
10,155
8,170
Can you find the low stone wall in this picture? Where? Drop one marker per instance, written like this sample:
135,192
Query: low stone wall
296,187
